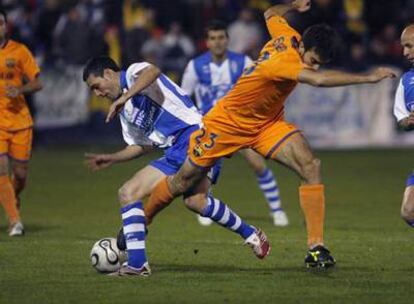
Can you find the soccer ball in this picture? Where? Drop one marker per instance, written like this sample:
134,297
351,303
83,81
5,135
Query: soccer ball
106,257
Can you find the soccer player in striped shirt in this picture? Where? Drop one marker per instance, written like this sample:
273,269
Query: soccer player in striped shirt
404,113
209,77
157,114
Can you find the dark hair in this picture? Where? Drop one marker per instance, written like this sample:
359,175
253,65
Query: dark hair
97,65
216,25
323,39
2,12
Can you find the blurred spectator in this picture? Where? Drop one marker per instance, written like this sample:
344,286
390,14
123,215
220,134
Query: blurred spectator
76,40
45,21
245,34
152,50
385,46
136,20
178,48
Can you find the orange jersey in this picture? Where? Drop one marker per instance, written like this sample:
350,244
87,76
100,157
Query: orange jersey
16,63
258,97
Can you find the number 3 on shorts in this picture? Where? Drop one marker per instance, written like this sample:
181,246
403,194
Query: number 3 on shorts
212,137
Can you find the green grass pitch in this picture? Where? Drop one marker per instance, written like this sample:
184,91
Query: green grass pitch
66,209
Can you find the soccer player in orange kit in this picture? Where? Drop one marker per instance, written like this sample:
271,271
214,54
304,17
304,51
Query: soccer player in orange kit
18,76
251,115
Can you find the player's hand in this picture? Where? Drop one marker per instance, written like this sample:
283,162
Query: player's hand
302,5
12,91
381,73
408,122
97,162
115,108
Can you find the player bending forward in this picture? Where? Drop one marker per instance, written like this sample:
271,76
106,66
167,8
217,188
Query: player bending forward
251,115
404,112
157,114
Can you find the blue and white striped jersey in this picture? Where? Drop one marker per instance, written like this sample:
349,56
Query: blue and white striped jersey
404,97
158,114
210,81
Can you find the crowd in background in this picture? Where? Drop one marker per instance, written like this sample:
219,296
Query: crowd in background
169,33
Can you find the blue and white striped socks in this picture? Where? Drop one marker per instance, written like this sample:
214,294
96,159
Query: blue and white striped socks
134,231
224,216
268,185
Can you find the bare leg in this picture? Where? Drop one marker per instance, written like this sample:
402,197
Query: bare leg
19,172
268,184
140,185
297,155
8,197
407,208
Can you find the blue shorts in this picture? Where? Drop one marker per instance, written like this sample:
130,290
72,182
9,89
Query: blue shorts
175,156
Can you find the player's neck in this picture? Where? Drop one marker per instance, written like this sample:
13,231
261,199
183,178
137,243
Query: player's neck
218,59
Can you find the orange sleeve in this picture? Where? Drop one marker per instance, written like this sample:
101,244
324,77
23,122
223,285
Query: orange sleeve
28,63
287,67
278,26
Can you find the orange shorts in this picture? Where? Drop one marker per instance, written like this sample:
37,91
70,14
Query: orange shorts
209,144
16,144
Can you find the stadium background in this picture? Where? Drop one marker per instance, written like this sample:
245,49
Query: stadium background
66,208
64,34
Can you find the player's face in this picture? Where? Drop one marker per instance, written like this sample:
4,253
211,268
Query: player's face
217,42
312,59
407,42
2,27
106,87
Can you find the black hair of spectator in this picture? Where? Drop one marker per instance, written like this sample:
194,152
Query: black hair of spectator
216,25
324,40
98,65
2,12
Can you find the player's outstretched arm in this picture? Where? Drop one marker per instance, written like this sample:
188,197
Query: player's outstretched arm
339,78
101,161
281,9
146,77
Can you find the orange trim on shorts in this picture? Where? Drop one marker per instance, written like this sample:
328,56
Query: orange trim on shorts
276,147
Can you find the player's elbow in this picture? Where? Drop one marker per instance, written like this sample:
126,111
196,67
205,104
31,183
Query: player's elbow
155,70
268,13
319,81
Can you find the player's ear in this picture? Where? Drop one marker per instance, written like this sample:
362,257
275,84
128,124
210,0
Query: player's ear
107,74
301,48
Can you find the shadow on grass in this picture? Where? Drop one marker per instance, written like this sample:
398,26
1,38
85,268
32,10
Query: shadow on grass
34,228
177,268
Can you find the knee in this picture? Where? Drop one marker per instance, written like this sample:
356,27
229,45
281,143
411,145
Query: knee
407,212
311,171
196,202
127,195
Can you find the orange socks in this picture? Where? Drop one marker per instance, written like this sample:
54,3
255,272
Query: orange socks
8,199
312,201
160,198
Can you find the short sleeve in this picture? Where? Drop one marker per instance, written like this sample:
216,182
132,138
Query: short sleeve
29,66
134,69
286,67
400,109
278,26
190,79
247,61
